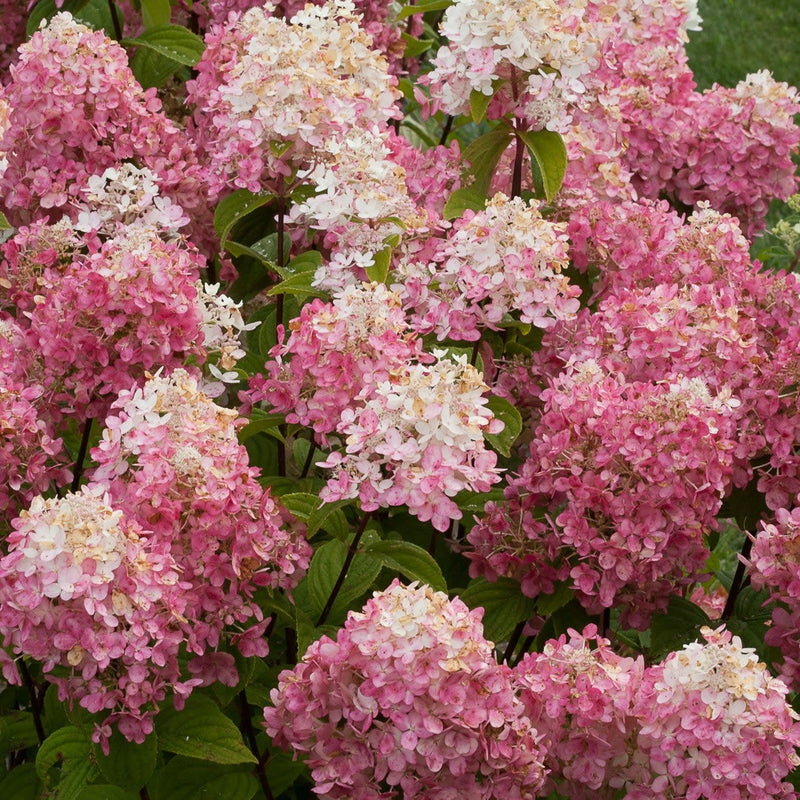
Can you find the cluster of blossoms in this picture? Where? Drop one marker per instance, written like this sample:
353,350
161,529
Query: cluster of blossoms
336,351
506,259
731,147
578,693
161,551
75,110
713,722
532,56
417,441
361,203
87,592
410,698
775,565
99,314
631,475
269,93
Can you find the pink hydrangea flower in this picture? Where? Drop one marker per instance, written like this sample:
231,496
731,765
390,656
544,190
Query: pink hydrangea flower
407,699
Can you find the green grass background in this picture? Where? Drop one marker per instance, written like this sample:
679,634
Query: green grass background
743,36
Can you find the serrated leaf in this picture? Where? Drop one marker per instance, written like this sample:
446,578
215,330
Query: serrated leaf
503,603
170,41
550,154
680,625
478,103
423,8
327,563
237,206
483,155
410,560
379,268
321,517
66,750
17,731
190,778
511,418
462,200
301,504
201,730
127,764
156,13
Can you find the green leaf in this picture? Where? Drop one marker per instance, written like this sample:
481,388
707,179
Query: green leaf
301,504
423,8
483,155
171,41
17,731
380,265
679,626
45,9
550,154
298,285
504,605
22,783
156,13
55,712
547,604
107,792
283,770
461,200
5,225
475,502
504,411
324,570
328,514
63,761
416,47
235,207
152,69
410,560
262,422
201,730
127,764
478,103
192,779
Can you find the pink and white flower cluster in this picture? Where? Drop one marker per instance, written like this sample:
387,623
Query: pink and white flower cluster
774,565
531,55
158,555
270,93
408,698
502,261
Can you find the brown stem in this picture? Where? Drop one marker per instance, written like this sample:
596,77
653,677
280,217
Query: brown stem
512,642
115,20
84,446
247,727
351,552
738,581
309,458
36,705
448,124
516,179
